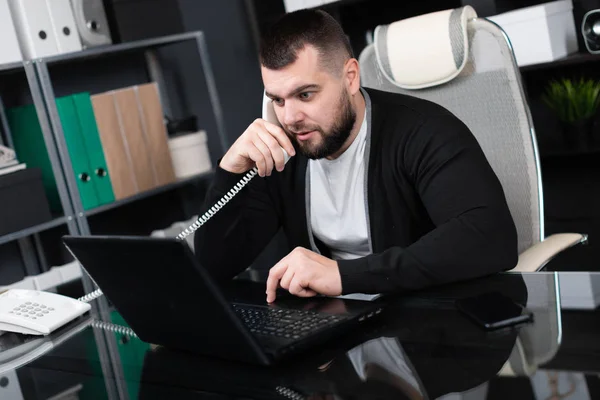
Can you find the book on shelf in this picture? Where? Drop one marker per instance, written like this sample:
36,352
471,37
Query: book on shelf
134,137
14,167
8,161
7,156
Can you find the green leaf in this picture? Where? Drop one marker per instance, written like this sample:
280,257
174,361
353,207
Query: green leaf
573,100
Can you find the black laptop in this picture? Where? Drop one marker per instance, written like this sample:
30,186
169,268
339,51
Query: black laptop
169,299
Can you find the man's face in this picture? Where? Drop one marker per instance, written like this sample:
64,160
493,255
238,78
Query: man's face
312,105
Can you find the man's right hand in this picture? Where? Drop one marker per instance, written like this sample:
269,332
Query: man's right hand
259,145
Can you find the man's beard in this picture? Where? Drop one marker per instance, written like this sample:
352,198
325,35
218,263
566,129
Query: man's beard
333,140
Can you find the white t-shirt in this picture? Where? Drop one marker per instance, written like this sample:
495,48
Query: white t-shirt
337,200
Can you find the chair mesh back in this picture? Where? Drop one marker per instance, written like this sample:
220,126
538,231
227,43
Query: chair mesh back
487,96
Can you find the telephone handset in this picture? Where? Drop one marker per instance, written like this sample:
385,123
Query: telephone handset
268,111
270,116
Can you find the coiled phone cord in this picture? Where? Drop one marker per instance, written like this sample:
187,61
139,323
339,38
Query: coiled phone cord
219,204
108,326
289,393
225,199
91,296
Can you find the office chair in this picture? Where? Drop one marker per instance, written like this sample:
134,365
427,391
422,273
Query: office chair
467,65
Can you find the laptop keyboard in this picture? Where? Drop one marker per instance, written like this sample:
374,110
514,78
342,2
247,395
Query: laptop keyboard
288,324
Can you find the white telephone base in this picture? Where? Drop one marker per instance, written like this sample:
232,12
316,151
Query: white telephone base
37,313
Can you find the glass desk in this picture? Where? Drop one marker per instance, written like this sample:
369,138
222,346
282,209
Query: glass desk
421,347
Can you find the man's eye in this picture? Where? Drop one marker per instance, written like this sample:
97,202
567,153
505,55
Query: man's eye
305,95
278,102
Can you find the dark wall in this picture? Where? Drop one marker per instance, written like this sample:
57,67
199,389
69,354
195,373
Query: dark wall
233,56
357,17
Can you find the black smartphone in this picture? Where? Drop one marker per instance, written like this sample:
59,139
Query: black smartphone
493,310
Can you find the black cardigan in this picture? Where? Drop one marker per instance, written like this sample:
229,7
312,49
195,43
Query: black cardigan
437,212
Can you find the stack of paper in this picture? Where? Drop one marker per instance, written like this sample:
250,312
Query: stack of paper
8,161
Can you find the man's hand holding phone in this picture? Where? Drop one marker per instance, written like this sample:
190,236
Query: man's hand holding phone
259,145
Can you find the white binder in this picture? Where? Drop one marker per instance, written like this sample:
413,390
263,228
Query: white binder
91,21
34,28
9,45
63,24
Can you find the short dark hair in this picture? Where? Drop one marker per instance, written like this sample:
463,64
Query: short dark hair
290,34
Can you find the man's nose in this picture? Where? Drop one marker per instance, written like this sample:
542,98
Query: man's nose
291,115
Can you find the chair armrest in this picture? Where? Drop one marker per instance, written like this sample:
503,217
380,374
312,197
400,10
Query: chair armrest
535,257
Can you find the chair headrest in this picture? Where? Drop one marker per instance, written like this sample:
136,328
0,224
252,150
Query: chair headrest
426,50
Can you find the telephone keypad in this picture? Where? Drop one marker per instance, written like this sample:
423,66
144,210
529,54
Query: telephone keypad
31,310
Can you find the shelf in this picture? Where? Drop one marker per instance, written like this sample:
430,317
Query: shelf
148,193
99,51
576,58
565,153
11,66
31,230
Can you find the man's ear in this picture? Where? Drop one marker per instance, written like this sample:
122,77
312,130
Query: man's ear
352,75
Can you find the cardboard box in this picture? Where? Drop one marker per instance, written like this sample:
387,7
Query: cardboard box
541,33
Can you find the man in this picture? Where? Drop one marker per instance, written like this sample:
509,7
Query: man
384,192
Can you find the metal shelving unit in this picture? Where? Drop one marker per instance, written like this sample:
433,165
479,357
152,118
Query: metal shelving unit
101,51
11,66
42,93
55,127
75,217
45,99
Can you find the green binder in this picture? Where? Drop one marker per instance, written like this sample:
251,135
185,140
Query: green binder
93,145
31,149
83,145
77,151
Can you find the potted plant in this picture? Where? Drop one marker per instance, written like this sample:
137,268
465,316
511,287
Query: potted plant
575,102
